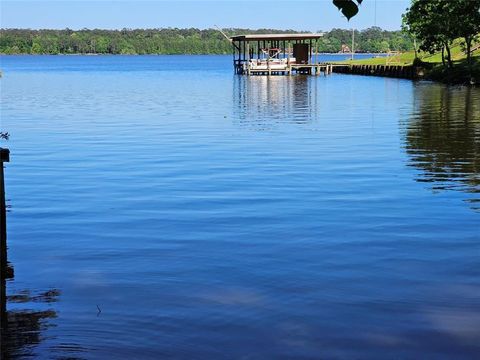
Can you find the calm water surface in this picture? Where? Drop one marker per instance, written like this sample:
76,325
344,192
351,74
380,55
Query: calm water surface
163,208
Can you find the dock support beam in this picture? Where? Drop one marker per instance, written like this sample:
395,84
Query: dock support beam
248,58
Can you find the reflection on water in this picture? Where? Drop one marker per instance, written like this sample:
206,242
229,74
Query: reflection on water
24,315
22,327
263,102
443,139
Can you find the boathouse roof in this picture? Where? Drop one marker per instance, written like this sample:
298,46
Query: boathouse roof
261,37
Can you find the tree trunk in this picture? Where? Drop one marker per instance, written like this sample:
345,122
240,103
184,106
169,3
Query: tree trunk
449,56
468,41
443,56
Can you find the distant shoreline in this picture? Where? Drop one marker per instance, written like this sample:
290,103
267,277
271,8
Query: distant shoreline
187,41
102,54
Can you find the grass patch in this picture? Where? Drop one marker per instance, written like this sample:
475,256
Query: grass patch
435,70
407,58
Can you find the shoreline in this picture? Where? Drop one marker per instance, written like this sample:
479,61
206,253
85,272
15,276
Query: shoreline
427,72
179,54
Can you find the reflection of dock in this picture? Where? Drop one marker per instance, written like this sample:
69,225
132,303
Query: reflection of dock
263,101
277,54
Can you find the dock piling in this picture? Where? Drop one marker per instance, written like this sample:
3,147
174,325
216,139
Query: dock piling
4,157
4,273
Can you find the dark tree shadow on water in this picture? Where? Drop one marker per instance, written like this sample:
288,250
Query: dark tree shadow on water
442,139
23,328
22,324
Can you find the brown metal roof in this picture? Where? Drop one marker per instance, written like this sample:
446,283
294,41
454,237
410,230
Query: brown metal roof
258,37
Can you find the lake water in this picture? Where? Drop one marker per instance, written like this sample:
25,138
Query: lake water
163,208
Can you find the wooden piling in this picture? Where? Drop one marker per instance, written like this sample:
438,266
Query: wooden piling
397,71
4,157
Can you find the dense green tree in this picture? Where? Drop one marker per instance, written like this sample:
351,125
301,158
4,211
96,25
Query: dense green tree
428,21
467,13
437,23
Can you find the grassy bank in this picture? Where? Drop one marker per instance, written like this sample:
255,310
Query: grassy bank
434,69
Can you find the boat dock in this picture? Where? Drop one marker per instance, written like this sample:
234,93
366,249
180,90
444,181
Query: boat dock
278,54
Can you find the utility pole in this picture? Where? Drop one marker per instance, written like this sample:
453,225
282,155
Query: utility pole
353,42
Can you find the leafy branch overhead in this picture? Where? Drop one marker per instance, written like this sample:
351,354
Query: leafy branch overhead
349,8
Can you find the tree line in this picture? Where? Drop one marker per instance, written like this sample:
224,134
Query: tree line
178,41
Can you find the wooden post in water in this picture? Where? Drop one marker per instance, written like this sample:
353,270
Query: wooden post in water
268,60
248,58
4,157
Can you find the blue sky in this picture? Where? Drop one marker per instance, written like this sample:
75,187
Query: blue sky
280,14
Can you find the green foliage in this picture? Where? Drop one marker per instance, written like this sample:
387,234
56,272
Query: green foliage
371,40
426,20
437,23
176,41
